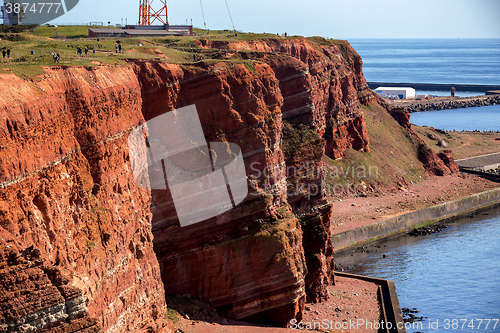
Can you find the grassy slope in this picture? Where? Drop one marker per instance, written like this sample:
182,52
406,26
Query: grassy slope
23,63
392,158
463,144
73,31
172,49
392,151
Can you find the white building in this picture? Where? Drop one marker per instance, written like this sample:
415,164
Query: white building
395,92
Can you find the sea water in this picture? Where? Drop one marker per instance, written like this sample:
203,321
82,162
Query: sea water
484,118
439,61
454,274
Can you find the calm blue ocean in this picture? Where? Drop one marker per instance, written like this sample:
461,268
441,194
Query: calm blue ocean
446,61
485,118
455,274
451,275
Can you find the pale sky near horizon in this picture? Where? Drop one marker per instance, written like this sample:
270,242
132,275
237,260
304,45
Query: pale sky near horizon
333,19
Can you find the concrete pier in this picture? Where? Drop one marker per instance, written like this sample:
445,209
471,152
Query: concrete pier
481,163
400,224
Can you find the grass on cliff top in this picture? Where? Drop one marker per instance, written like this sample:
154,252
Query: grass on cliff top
67,31
32,48
30,53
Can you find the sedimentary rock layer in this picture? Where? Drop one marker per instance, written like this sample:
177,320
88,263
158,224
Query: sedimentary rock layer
67,188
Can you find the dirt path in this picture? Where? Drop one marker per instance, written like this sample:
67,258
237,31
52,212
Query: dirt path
355,212
463,144
351,299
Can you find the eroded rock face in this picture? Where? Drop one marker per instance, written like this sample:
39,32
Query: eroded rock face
35,295
439,164
322,85
250,105
250,260
67,188
447,157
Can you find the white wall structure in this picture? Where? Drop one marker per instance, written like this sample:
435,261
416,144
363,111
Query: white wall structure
395,92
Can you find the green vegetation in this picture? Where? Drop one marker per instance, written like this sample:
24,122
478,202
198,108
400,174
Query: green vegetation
172,315
297,136
32,48
392,158
313,229
463,144
29,54
181,305
16,28
90,245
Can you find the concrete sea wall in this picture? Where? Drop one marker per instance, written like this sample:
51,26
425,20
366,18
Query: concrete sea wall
404,223
437,87
391,310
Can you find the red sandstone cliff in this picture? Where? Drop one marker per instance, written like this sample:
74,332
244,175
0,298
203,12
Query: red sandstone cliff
66,190
436,164
322,85
66,186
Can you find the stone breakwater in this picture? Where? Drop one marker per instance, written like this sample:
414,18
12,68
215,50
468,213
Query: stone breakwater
448,103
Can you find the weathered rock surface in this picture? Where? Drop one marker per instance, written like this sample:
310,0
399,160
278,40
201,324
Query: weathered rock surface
35,295
66,189
316,86
322,85
66,185
437,164
248,261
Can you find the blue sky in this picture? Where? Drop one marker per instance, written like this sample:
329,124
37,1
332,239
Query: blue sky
334,19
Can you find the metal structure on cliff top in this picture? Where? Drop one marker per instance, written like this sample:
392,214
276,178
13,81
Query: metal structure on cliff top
148,15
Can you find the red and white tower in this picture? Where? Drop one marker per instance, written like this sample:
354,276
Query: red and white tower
148,15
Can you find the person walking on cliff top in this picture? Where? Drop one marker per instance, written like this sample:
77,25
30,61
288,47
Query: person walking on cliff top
58,56
86,51
8,53
120,48
4,53
116,48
